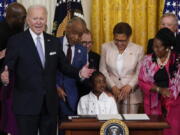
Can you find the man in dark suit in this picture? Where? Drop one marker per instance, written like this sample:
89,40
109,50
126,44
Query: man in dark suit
34,57
93,59
170,21
67,86
13,24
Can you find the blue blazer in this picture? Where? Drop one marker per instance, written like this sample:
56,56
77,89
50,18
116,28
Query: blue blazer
70,84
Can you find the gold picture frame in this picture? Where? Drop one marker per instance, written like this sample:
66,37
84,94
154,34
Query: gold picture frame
114,127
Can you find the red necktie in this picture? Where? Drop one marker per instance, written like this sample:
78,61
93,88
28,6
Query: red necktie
69,54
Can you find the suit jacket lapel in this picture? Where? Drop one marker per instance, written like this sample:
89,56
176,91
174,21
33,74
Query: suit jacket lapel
61,41
77,55
127,55
47,44
32,46
114,54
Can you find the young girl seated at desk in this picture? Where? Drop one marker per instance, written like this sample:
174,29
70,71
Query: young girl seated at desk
97,101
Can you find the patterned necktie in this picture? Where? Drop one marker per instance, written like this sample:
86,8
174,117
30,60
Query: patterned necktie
69,54
40,50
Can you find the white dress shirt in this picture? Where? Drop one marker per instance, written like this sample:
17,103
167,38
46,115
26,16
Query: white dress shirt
34,37
65,48
91,105
119,63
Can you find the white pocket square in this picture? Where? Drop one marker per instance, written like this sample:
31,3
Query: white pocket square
52,53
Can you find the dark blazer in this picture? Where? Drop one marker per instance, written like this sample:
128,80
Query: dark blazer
94,59
69,84
176,48
33,83
5,33
84,87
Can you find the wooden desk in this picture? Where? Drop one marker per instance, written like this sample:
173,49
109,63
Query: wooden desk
154,126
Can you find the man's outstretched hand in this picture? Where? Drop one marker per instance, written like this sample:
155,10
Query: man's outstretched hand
5,76
86,72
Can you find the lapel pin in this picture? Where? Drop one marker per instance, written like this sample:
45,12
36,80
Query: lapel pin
48,40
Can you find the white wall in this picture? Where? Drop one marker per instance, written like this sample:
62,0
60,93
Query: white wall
86,4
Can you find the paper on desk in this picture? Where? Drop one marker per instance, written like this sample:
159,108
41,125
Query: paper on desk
136,117
109,116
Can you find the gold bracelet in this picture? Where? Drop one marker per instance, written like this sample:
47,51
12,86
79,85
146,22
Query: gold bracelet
157,89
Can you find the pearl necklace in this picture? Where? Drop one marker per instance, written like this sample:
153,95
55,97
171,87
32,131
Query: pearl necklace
162,64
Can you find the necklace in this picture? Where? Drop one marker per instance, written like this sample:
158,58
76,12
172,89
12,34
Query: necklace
162,64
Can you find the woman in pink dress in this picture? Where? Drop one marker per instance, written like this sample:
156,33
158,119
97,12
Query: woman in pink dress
159,79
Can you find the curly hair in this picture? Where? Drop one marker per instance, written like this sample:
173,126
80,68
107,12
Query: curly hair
167,38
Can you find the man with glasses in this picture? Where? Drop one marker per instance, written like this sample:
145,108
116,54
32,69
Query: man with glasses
93,59
169,21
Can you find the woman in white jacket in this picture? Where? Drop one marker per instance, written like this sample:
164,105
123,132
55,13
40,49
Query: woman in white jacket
119,63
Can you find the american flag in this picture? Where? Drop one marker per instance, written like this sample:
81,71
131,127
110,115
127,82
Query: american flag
65,10
173,6
3,6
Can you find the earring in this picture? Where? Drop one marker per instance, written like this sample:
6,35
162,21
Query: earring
172,47
167,49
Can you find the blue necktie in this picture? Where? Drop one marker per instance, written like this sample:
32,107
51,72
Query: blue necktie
40,50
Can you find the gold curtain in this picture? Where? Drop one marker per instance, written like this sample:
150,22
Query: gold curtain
142,15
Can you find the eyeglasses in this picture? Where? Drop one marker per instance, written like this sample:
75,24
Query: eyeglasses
87,42
116,41
161,48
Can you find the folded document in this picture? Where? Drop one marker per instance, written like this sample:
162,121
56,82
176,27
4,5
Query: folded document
109,116
135,117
